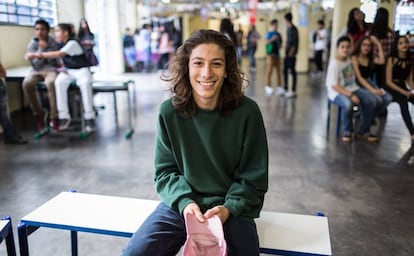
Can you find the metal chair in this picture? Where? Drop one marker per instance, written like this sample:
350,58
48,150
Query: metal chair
6,232
338,117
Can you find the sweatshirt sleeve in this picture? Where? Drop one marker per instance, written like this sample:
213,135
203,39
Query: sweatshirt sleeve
246,194
170,183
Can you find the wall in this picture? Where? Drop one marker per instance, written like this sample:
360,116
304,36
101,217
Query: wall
70,11
12,48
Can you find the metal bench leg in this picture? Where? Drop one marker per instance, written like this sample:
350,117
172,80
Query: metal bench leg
115,107
22,231
328,118
74,242
338,121
7,234
131,130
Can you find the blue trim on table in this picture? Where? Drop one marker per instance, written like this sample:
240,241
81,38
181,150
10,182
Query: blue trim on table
75,228
289,253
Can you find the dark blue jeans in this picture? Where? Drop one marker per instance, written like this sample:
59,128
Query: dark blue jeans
4,116
163,233
368,106
319,60
290,64
251,50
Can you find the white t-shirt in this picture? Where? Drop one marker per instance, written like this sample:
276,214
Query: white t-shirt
340,73
143,40
320,43
72,48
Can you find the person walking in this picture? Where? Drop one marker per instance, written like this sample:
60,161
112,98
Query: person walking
320,47
253,37
273,43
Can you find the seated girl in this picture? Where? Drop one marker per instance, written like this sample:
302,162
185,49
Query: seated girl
363,61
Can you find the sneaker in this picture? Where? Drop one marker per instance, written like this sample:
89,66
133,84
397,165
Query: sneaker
317,74
15,139
54,124
368,137
290,94
269,90
90,125
280,91
347,137
64,124
41,120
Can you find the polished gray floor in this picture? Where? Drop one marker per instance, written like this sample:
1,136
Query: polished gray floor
366,190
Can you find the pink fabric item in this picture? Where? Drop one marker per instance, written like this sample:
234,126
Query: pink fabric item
204,239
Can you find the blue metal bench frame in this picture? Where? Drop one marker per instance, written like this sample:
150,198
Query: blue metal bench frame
6,233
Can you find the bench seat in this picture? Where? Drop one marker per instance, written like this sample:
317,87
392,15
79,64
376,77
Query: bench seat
279,233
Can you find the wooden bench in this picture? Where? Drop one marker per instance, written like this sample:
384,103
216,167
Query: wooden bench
279,233
6,232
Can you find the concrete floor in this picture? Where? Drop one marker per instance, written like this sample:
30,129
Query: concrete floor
365,189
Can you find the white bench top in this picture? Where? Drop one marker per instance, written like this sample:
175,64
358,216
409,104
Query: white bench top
122,216
18,72
3,224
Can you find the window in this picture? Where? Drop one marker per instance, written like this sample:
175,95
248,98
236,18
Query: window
404,17
26,12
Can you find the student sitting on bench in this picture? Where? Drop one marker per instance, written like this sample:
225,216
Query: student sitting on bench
76,69
211,153
43,70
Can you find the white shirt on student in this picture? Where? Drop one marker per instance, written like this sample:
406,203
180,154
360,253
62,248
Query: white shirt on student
340,73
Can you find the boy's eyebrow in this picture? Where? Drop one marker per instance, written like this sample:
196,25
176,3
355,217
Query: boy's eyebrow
200,58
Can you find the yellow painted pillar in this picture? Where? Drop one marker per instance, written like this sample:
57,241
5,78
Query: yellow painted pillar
110,38
339,20
300,13
70,11
262,26
131,16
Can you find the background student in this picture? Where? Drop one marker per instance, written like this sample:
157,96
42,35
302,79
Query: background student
273,43
400,79
344,92
76,69
10,135
43,70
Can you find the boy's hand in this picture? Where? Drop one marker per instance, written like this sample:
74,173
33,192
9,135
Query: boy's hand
355,99
194,209
220,211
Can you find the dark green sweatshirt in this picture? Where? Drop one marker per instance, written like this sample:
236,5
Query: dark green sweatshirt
212,160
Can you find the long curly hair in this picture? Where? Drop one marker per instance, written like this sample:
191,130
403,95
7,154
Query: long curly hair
352,24
358,46
178,74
